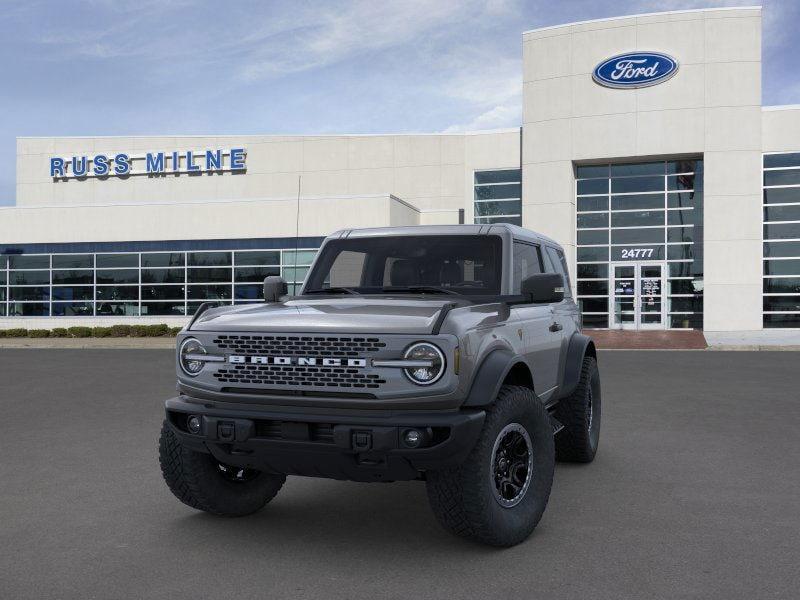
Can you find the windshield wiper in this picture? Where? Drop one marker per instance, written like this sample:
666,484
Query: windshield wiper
333,290
419,289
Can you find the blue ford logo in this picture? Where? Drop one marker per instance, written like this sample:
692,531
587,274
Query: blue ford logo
635,70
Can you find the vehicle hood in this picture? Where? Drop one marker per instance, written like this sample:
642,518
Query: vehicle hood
327,315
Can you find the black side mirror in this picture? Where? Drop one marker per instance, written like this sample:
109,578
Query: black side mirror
274,287
544,288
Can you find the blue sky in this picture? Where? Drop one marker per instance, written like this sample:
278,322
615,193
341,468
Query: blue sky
152,67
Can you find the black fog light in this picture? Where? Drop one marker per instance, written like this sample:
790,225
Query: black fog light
193,424
412,438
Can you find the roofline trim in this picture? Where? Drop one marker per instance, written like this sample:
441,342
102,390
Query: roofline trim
651,14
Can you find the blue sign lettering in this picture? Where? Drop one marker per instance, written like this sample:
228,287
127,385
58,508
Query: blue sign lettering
150,163
635,70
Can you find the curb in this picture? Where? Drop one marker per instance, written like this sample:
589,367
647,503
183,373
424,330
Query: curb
89,343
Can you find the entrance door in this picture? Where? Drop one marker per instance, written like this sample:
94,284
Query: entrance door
637,300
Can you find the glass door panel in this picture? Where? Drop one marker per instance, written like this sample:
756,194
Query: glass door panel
637,296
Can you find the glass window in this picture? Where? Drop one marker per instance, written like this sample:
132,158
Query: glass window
782,267
73,309
790,159
685,286
118,309
29,261
28,309
73,292
782,249
593,203
684,166
304,257
163,259
527,262
593,288
689,321
593,220
209,259
258,257
782,231
594,305
29,277
637,236
594,321
560,262
685,200
117,275
114,261
590,237
492,192
681,182
62,277
254,274
782,195
296,275
787,320
788,177
636,184
681,269
680,304
501,176
2,294
592,186
163,309
209,292
73,261
650,168
249,292
499,207
209,275
680,251
29,293
163,276
782,213
782,285
587,171
684,217
637,202
592,254
2,277
592,271
680,234
637,218
782,303
118,292
641,251
162,292
489,220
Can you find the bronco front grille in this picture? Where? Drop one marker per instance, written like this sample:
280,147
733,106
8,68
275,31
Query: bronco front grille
291,345
275,375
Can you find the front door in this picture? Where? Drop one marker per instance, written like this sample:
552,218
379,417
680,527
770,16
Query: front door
637,300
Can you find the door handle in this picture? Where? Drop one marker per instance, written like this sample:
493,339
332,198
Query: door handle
556,327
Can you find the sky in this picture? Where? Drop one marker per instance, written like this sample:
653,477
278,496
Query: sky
172,67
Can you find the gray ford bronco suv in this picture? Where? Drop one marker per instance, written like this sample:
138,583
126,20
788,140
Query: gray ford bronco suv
446,354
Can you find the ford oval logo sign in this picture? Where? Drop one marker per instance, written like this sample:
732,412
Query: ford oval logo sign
635,70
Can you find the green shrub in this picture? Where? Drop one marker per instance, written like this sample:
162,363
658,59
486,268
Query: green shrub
16,332
2,333
59,332
173,331
101,332
38,333
120,330
138,331
157,330
80,332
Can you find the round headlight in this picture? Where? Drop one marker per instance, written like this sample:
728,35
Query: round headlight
424,352
190,348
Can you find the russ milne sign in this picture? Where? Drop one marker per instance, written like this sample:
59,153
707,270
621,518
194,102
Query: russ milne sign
151,163
635,70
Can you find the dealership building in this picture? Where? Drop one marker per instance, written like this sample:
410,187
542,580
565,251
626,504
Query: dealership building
644,149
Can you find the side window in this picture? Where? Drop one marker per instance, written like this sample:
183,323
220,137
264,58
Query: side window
560,264
527,262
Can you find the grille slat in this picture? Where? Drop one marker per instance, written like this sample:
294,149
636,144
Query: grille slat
299,376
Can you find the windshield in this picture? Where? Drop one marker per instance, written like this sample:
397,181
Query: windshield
423,264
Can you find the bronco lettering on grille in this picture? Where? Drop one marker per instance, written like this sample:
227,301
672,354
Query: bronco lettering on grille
300,361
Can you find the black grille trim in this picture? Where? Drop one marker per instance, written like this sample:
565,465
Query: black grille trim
301,393
299,345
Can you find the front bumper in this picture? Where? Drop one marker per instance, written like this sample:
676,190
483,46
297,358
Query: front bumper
337,444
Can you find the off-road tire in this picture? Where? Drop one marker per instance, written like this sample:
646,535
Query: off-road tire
195,479
462,497
580,413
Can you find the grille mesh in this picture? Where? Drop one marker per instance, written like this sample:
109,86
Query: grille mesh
299,345
274,375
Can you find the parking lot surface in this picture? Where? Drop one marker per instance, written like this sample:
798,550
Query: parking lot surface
694,494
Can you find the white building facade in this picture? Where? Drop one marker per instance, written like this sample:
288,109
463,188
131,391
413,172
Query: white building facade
675,193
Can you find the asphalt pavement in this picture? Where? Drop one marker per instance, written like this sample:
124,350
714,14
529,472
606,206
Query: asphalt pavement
694,494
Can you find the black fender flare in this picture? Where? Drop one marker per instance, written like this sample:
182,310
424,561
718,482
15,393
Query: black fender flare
580,345
490,376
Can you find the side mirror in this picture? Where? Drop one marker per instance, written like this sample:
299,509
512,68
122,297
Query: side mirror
274,287
544,288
